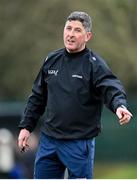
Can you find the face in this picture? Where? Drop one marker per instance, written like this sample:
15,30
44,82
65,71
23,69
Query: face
75,36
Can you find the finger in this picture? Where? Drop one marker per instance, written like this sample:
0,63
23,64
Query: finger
24,142
129,114
124,120
20,143
125,111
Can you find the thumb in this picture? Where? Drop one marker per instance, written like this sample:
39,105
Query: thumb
25,141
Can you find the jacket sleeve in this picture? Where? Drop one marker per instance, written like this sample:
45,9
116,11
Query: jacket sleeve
36,103
107,86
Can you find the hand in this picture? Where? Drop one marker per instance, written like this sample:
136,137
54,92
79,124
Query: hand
124,115
23,140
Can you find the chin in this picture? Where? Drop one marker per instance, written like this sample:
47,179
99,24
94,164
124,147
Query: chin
71,49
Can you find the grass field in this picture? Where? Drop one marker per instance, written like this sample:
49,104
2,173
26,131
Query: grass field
115,171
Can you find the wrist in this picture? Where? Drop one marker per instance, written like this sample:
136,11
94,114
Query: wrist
122,106
26,128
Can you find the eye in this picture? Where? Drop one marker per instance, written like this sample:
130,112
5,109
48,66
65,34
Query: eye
78,30
68,28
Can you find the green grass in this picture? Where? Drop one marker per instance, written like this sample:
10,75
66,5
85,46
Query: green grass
115,171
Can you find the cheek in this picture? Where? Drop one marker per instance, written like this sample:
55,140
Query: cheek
81,39
64,34
64,37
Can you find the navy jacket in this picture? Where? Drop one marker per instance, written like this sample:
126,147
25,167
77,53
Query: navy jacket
73,88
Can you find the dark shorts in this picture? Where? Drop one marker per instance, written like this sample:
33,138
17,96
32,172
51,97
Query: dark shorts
54,156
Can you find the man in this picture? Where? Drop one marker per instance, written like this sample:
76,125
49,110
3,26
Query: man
73,84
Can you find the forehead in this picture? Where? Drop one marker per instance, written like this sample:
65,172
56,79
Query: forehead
74,24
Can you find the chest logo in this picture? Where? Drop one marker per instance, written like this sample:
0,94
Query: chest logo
53,72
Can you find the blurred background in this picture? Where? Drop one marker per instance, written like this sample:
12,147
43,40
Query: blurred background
29,30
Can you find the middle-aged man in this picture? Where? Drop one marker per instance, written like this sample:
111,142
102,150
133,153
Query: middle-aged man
73,84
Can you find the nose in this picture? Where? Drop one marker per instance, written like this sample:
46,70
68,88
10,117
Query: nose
71,33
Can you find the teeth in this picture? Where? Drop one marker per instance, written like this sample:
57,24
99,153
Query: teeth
70,41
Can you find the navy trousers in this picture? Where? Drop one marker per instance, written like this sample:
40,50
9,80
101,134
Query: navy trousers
54,156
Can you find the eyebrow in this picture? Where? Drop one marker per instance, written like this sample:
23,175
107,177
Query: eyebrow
78,28
75,27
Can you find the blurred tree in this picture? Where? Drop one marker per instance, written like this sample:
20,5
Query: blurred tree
29,29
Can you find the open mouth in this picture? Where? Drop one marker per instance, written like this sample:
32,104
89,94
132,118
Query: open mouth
70,41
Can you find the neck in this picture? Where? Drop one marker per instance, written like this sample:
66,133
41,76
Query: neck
75,51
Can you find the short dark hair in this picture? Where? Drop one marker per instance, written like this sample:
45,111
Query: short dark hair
83,17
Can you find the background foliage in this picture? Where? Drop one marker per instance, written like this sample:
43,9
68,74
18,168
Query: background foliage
29,29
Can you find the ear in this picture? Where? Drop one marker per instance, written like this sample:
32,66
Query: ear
88,36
